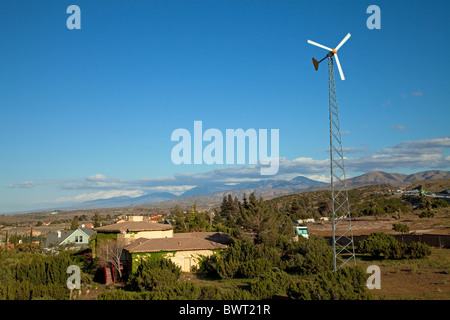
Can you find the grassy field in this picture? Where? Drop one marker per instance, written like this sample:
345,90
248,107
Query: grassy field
419,279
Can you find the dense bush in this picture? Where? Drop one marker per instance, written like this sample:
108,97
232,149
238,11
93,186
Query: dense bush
381,205
241,259
384,246
439,203
400,227
121,295
272,283
381,245
426,214
417,250
308,256
27,275
154,274
347,283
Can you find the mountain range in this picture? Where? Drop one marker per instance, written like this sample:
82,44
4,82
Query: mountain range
213,193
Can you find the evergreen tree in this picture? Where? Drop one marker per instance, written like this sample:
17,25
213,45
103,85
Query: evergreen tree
244,201
179,220
295,207
6,241
229,212
74,224
96,219
259,222
197,221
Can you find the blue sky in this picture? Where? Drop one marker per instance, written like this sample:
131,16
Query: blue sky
87,114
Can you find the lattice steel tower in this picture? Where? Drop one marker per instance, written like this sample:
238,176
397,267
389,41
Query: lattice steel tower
343,245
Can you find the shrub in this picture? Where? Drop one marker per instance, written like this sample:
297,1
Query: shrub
154,274
120,295
399,227
254,268
347,283
438,203
380,245
274,282
417,250
237,294
308,256
426,214
179,291
241,259
384,246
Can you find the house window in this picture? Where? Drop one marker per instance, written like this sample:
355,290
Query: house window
80,238
76,238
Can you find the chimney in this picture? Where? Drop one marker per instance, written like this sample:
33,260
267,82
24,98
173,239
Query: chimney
59,233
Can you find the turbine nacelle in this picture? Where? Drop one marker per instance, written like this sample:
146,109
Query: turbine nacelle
331,52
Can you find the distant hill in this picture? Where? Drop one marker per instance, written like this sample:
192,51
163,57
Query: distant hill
125,201
396,179
428,175
209,195
431,185
296,183
300,184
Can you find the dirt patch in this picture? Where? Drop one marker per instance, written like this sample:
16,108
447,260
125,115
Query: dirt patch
368,225
407,285
419,279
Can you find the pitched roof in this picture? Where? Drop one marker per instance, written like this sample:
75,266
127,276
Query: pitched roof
220,237
89,231
52,238
134,226
172,244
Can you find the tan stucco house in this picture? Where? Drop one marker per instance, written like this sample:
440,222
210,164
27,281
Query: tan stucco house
132,230
184,249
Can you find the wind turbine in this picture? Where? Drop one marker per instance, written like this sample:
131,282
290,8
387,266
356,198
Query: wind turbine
343,245
331,53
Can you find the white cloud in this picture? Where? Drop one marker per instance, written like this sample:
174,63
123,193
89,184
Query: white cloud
24,184
417,93
399,127
319,177
96,177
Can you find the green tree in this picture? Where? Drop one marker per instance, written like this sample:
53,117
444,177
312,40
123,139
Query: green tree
75,223
259,222
97,219
197,221
229,212
180,222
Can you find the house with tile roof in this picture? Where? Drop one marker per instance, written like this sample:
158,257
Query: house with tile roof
132,230
184,249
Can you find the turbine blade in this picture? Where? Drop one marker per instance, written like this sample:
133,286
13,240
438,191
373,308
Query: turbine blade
318,45
339,67
343,41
